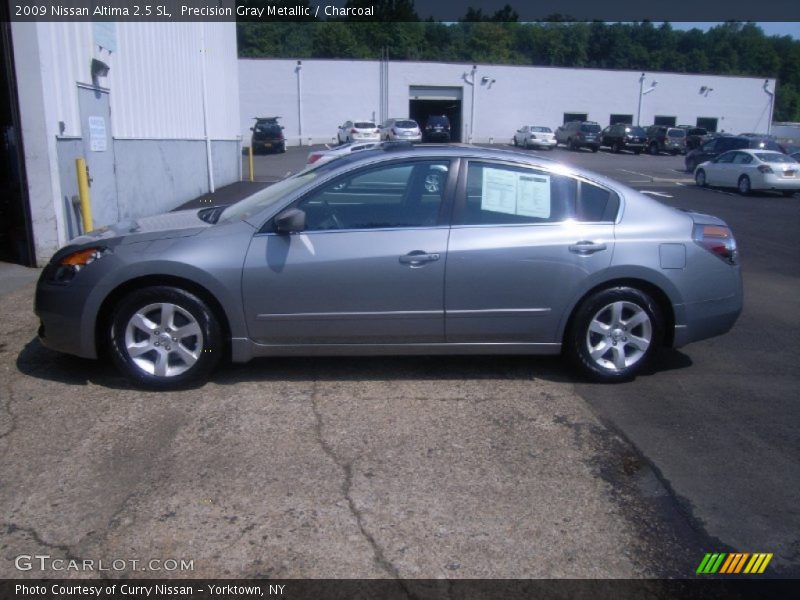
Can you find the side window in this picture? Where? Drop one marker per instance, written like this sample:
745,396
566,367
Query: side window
596,204
742,158
391,196
710,146
508,195
726,158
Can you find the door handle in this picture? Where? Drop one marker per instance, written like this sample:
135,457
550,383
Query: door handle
585,247
418,258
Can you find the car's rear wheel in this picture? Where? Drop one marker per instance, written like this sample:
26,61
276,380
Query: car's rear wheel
744,185
788,193
690,165
614,334
595,148
653,149
164,337
514,139
616,148
700,178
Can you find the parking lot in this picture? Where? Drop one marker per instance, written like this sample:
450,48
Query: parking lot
468,467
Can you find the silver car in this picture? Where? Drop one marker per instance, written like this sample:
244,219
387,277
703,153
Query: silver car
508,253
401,129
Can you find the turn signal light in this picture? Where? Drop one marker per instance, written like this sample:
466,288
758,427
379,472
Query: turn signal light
765,169
718,240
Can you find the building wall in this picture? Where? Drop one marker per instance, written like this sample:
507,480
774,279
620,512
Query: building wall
158,91
336,90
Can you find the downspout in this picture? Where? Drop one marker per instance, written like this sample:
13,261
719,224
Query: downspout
209,160
298,70
471,81
771,105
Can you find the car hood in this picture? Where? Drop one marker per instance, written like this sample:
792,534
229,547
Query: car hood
181,223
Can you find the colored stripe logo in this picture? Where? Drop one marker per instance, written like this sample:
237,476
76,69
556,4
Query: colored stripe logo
734,563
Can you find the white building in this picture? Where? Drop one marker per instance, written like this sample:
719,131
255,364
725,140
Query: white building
152,107
315,96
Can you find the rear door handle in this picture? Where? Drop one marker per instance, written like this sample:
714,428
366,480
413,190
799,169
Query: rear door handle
585,247
418,258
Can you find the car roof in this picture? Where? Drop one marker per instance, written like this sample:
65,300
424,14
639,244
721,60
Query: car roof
267,118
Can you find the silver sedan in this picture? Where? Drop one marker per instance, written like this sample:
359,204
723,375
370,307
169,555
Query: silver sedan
399,250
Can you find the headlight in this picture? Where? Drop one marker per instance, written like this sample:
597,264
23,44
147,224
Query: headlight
69,265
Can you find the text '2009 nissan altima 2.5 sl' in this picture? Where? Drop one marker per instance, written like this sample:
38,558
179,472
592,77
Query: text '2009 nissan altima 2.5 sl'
399,250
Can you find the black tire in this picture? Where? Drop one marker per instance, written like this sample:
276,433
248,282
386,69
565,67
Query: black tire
595,148
700,178
691,165
637,152
207,345
744,185
598,306
616,149
788,193
570,145
653,149
282,148
515,141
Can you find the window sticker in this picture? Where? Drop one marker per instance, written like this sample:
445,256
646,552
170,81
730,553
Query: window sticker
516,193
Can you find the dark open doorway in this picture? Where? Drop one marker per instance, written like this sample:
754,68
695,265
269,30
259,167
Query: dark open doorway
15,232
420,110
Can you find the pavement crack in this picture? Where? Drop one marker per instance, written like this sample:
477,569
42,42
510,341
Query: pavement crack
346,487
68,553
7,407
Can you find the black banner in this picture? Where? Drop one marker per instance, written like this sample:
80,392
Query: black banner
401,10
390,589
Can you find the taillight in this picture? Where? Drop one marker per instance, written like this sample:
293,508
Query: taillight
354,130
377,131
765,169
533,137
718,240
312,158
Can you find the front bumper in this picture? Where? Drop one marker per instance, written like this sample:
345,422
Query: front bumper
63,315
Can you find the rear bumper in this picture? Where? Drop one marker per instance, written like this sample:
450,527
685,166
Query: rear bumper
543,143
707,319
772,182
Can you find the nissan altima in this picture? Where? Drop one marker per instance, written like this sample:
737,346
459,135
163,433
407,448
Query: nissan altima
398,250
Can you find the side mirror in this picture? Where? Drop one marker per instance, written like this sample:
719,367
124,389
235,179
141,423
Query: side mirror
291,220
282,127
252,129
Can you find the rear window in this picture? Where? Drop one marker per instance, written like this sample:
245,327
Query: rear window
405,124
676,133
364,125
590,128
636,131
439,121
537,129
773,157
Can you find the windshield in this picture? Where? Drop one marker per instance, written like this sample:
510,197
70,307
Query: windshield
590,128
264,198
774,157
537,129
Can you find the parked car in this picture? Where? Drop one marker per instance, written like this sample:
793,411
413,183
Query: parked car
671,140
349,258
622,136
318,157
267,135
437,129
537,136
722,143
750,170
362,130
579,134
406,130
695,136
796,156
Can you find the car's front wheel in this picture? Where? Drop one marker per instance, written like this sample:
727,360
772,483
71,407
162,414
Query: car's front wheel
164,337
700,178
614,333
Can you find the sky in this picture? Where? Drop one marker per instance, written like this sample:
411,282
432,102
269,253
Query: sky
769,28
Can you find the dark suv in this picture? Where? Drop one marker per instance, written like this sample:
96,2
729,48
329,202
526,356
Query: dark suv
622,136
716,146
267,135
579,134
661,138
437,129
695,136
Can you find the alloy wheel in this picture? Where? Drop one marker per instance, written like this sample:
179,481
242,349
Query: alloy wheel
619,335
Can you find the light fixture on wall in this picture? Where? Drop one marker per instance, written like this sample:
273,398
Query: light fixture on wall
705,90
642,92
99,69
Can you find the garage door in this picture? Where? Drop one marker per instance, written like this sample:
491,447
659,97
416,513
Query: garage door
419,92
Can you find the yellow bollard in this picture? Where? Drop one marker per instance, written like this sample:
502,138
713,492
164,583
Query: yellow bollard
250,159
83,194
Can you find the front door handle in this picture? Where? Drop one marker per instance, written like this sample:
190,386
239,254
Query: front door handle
585,247
417,258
